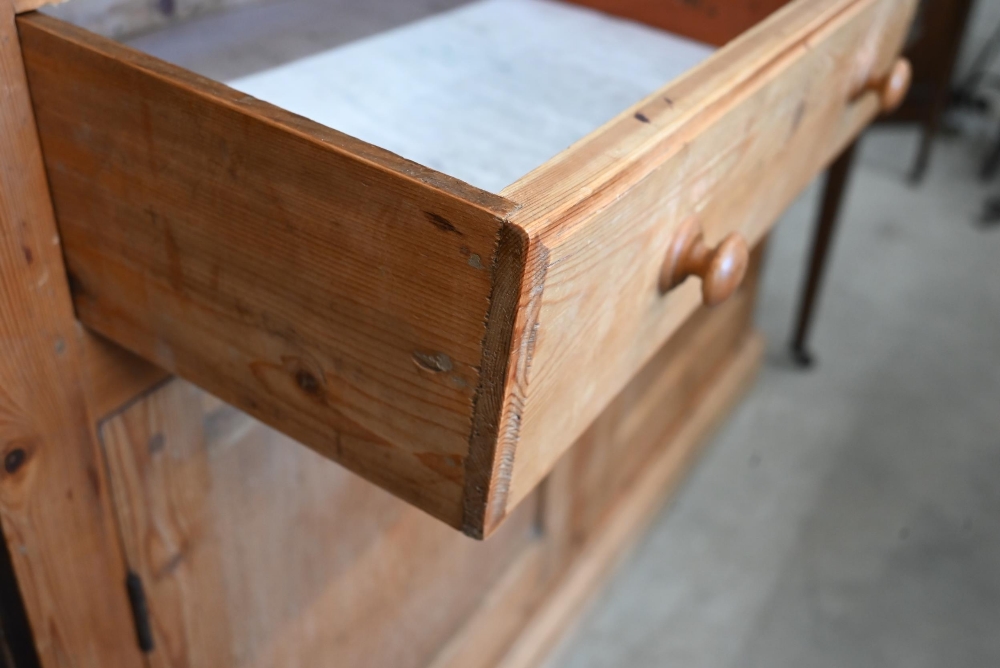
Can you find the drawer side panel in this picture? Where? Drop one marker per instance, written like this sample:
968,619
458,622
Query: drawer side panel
329,288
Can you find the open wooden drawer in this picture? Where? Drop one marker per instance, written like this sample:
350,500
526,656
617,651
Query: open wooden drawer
443,341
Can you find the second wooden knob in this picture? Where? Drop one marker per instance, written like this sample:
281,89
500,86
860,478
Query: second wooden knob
892,87
721,268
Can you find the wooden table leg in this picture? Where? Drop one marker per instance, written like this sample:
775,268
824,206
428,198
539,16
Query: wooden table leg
833,192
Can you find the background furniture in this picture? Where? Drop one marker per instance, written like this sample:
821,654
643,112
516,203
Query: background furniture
932,48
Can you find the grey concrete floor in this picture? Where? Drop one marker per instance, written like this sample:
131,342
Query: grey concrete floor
848,515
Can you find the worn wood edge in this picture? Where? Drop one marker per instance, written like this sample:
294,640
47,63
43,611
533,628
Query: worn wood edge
593,172
520,353
488,464
633,513
219,93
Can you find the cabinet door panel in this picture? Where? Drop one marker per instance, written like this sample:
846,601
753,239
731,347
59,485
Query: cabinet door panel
256,552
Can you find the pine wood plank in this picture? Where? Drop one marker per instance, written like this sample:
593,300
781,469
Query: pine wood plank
357,301
54,503
731,143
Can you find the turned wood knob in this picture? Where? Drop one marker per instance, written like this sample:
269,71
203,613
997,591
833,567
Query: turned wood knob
721,269
892,88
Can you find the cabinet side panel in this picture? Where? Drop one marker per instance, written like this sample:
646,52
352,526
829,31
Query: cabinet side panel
54,505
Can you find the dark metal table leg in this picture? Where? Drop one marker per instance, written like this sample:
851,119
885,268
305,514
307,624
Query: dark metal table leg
948,22
989,167
833,192
931,127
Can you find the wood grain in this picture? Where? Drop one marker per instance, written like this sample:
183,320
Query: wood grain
54,504
330,288
256,552
731,143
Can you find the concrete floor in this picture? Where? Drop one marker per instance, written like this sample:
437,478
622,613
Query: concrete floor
848,515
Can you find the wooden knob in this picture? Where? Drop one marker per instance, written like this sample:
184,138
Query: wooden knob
721,269
892,88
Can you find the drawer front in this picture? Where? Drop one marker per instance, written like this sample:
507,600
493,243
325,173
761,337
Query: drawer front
728,145
644,419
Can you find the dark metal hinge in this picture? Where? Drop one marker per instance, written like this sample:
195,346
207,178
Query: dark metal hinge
140,611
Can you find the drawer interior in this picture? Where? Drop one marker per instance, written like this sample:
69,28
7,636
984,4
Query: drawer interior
485,92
